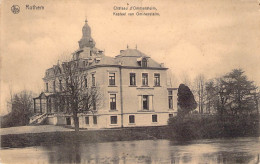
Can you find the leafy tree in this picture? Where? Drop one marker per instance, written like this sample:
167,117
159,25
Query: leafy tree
238,93
186,100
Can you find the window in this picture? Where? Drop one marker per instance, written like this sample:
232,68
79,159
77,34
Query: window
132,79
84,63
112,101
156,79
144,79
131,119
85,81
67,83
145,102
113,119
170,100
93,80
47,87
54,87
94,103
95,120
170,115
87,120
68,121
154,118
112,79
60,85
144,62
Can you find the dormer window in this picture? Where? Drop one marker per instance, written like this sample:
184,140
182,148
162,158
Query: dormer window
144,62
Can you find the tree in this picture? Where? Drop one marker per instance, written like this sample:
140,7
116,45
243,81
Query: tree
200,91
238,92
186,100
76,94
21,110
211,96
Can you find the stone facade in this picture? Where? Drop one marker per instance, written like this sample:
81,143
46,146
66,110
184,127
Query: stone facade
134,89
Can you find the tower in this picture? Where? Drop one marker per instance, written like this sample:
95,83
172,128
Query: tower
86,40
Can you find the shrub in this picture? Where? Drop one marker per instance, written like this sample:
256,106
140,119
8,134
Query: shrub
197,126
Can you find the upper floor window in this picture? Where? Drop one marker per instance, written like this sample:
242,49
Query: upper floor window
112,101
144,62
47,87
112,79
156,79
54,86
170,99
94,102
60,83
93,80
67,83
144,79
132,79
145,102
85,81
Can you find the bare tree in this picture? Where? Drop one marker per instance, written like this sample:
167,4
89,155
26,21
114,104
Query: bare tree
76,95
21,110
199,89
185,78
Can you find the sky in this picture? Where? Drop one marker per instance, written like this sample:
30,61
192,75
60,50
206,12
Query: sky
190,37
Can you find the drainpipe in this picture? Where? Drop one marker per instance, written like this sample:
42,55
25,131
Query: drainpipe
121,95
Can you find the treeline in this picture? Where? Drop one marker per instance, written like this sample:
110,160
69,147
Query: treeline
21,110
227,107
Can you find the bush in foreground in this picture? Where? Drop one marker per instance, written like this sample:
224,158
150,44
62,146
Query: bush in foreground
213,126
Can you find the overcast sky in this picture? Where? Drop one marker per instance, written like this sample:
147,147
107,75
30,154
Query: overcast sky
190,37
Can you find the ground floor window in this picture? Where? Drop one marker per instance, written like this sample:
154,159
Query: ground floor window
170,115
95,120
87,120
154,118
68,120
113,119
131,119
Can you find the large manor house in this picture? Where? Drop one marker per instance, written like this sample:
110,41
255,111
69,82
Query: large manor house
135,89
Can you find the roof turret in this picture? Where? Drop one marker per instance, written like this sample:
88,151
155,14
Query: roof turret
86,40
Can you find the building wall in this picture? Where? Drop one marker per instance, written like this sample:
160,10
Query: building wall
132,101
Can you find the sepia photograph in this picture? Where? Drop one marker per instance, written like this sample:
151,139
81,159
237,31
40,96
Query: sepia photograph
130,81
